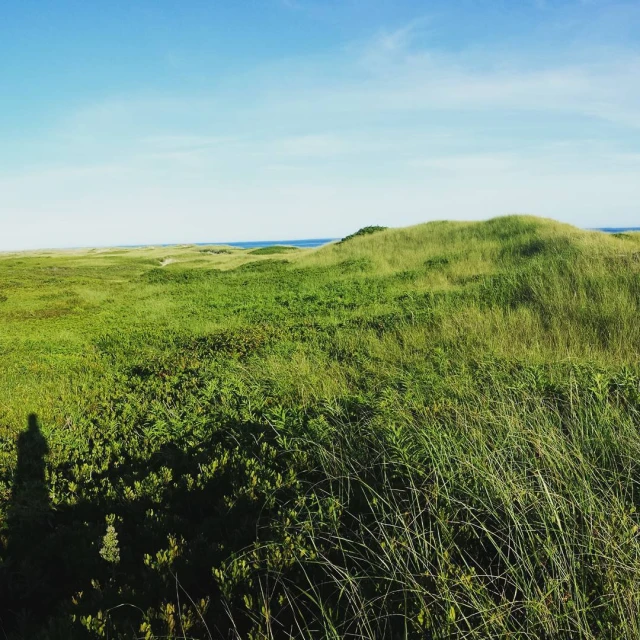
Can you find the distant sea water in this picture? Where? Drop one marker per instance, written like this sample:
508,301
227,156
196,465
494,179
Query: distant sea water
617,229
307,243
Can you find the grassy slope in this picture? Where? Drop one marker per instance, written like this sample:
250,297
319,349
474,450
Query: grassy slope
424,430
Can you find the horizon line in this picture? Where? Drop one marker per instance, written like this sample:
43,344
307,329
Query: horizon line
241,244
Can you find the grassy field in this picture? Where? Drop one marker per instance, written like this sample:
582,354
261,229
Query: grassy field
430,432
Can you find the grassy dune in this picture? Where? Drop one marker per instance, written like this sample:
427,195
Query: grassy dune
430,432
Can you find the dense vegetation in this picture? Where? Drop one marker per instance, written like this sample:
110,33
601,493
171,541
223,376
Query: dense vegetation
272,249
365,231
429,432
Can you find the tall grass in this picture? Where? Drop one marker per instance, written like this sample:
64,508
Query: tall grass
429,432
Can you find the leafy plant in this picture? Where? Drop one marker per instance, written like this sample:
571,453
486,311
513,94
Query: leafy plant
365,231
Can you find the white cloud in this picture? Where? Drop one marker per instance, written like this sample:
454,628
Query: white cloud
476,163
181,142
399,39
318,145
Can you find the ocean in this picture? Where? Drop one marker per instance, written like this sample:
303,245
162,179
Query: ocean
302,244
307,243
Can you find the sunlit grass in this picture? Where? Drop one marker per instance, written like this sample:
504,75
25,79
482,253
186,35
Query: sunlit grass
422,432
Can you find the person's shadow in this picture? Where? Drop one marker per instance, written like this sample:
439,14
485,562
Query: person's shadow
25,571
49,550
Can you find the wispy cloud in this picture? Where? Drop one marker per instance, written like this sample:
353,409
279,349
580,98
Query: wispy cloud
313,145
461,164
401,38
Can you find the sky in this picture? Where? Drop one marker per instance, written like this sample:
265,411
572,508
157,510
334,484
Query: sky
158,121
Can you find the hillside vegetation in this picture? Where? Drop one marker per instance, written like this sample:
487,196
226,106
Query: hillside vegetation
430,432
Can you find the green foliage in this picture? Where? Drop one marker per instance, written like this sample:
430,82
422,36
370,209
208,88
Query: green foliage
263,265
110,550
431,432
365,231
217,251
268,251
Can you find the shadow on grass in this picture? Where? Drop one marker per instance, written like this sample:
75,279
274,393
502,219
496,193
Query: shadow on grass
25,571
53,565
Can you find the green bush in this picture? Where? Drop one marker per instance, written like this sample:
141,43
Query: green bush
365,231
268,251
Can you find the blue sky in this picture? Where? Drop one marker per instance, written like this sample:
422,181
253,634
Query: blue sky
152,121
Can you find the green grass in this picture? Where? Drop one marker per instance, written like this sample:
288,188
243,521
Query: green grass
365,231
422,432
272,249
